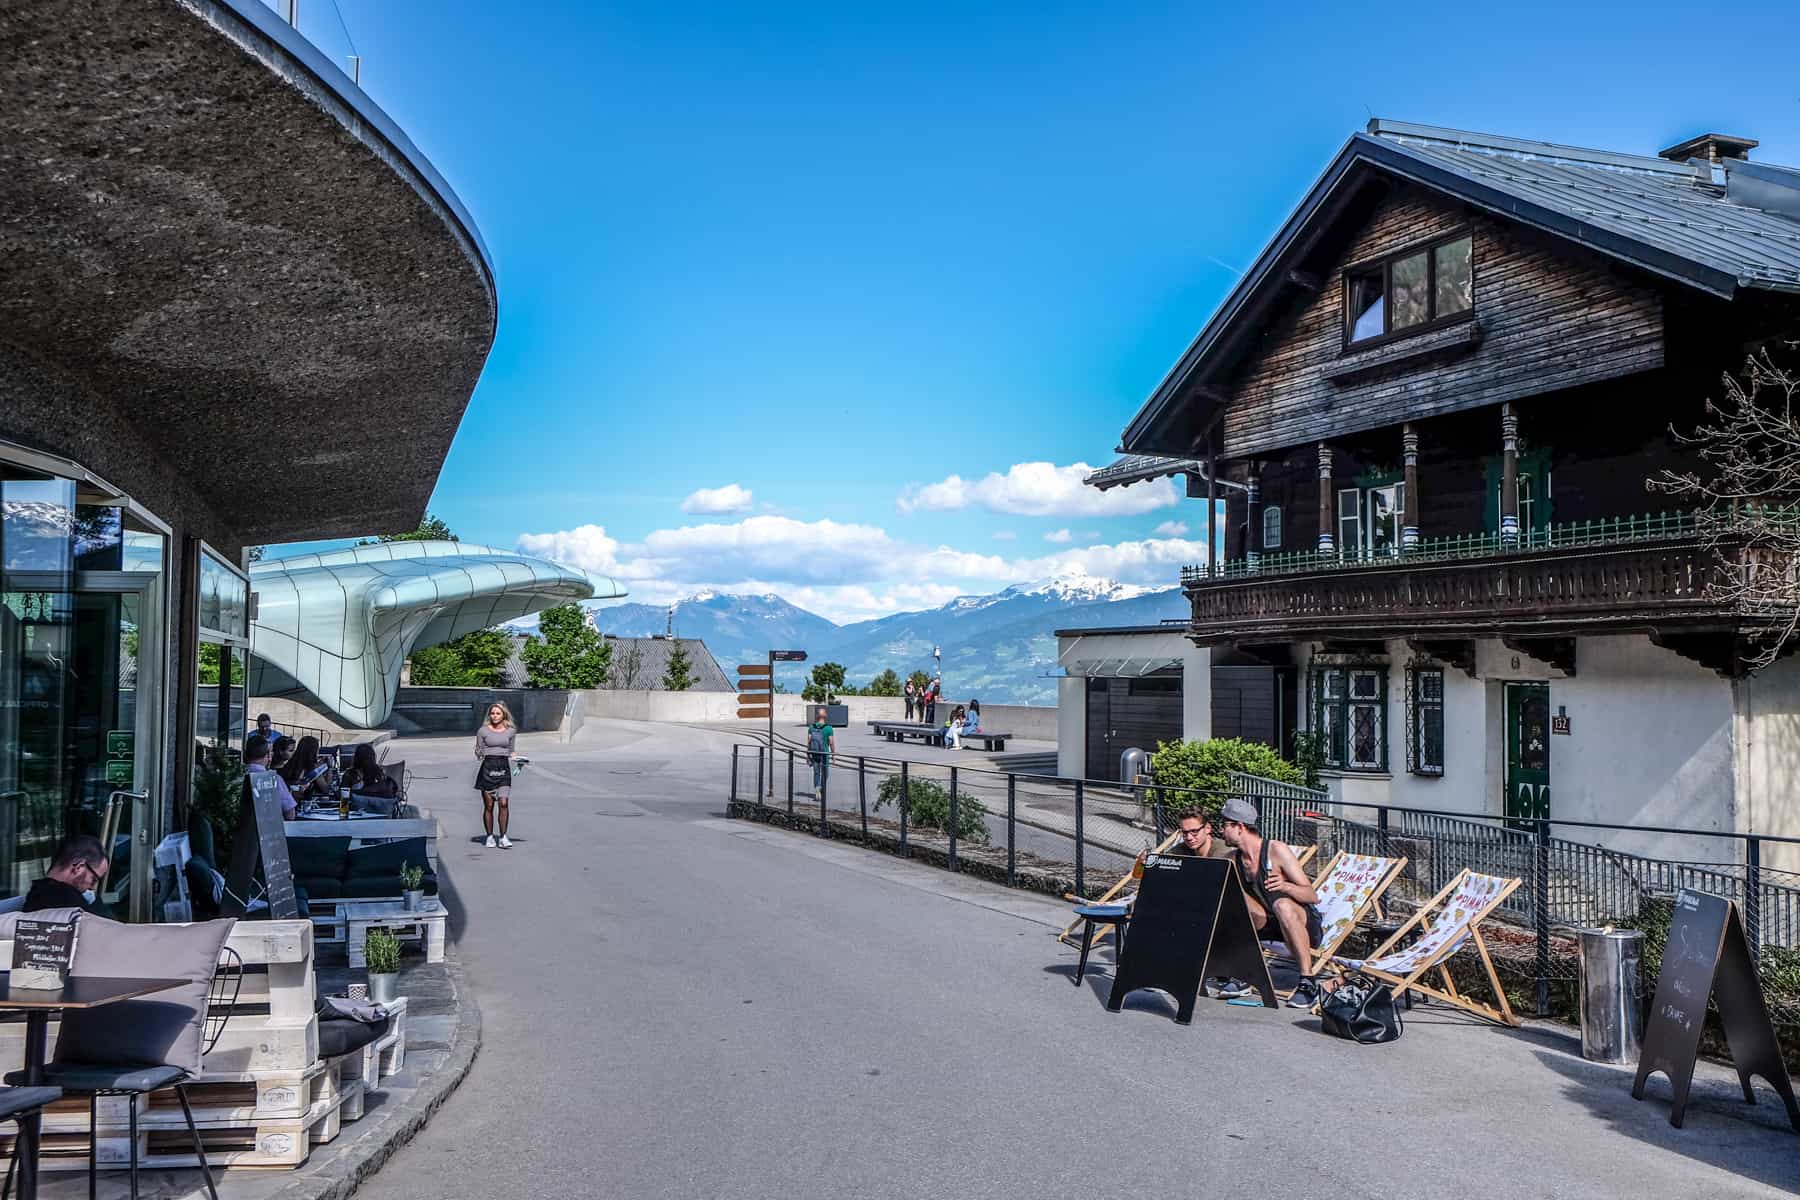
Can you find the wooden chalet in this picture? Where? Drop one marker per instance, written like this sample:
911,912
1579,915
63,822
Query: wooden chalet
1428,414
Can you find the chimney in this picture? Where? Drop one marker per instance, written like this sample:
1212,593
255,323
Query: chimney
1711,147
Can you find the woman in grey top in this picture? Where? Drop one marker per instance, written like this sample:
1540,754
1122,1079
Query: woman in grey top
493,778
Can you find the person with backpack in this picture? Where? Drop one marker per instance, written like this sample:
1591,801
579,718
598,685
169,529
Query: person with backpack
818,750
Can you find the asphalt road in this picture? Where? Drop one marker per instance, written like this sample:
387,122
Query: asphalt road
679,1006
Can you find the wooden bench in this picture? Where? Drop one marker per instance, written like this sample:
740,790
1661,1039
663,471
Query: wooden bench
994,741
899,731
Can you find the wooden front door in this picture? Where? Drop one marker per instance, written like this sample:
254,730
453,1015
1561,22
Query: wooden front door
1527,750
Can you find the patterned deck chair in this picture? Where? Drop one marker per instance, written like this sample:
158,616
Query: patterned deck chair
1449,918
1304,854
1349,887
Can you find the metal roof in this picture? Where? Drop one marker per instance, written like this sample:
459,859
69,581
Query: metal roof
1713,227
1136,468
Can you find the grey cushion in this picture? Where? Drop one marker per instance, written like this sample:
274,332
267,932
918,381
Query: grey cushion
84,1077
55,916
165,1028
16,1101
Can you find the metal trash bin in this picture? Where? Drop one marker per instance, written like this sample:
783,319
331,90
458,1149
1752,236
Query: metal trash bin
1132,763
1612,994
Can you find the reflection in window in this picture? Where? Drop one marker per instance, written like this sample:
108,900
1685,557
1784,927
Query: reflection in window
1409,291
224,598
1412,291
1455,278
99,538
1368,313
37,517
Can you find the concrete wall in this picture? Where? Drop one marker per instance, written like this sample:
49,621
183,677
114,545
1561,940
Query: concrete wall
457,710
1026,722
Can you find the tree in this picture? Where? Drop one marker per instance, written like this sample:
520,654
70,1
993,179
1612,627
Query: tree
431,529
827,679
570,654
1750,442
678,676
626,673
885,684
473,660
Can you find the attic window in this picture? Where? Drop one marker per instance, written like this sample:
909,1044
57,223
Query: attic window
1416,289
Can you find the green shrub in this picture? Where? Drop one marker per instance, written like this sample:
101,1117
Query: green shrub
381,950
218,793
928,807
1207,766
1309,755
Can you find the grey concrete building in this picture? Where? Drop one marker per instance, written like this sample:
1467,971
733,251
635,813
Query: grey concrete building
240,307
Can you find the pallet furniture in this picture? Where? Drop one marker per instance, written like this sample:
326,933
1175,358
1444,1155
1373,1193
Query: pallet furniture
425,925
371,831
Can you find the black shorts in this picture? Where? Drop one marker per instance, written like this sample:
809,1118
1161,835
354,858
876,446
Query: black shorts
1315,929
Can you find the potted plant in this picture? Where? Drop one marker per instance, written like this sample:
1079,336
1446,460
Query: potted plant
381,952
412,886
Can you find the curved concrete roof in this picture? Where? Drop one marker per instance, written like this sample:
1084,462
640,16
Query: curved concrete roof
240,257
338,626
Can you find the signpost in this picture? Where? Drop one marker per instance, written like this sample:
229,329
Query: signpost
1190,923
1707,956
756,696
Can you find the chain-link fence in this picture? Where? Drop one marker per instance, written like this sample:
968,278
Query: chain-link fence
1078,837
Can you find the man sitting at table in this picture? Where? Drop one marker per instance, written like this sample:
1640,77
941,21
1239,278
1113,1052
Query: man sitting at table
1283,904
256,760
73,880
1197,840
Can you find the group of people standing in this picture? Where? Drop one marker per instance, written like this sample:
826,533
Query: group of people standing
921,702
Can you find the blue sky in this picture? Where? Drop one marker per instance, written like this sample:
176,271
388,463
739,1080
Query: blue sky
834,255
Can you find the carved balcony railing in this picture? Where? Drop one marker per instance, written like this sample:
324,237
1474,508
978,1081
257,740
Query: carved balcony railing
1641,585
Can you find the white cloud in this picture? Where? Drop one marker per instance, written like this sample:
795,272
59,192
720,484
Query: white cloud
1172,529
1006,535
1058,535
1039,489
732,498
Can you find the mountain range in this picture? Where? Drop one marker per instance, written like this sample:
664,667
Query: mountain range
999,648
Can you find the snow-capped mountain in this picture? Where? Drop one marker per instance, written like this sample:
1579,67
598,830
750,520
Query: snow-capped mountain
998,647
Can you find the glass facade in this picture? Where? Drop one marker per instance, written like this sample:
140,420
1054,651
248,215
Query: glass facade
81,595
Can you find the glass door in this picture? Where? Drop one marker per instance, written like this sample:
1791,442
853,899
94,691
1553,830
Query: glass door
1527,750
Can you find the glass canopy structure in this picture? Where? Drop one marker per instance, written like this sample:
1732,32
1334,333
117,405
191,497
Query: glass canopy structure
336,627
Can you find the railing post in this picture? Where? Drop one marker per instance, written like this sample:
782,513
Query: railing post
790,783
1381,828
734,750
862,795
1080,874
953,818
1753,896
905,801
824,787
1012,854
759,777
1541,917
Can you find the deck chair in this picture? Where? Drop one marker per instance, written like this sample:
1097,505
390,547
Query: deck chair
1446,921
1349,887
1303,853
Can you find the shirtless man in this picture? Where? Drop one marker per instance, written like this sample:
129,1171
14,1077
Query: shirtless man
1282,900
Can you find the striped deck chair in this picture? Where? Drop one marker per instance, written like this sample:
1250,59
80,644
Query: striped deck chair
1349,887
1448,919
1304,854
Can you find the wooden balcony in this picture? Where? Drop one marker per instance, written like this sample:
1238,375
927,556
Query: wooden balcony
1663,586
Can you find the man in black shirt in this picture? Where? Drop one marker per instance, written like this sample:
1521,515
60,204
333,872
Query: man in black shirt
73,879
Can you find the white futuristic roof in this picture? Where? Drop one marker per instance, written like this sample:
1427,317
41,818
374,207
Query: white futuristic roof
339,625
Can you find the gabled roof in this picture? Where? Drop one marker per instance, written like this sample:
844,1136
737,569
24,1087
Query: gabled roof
1718,228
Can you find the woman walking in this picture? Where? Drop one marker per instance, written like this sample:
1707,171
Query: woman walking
493,778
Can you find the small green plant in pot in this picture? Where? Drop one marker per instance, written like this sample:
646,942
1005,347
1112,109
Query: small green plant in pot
381,952
412,886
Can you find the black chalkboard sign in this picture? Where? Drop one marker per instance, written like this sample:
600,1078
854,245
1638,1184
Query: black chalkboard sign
261,836
1190,923
41,954
1708,956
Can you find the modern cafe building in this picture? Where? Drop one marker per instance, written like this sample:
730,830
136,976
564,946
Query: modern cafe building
240,307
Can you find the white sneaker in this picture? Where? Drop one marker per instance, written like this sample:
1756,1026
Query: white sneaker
505,842
490,843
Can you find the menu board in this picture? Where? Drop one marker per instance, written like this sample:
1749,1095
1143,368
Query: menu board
42,951
1190,923
1708,958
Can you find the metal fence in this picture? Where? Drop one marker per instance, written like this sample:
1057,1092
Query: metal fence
1078,836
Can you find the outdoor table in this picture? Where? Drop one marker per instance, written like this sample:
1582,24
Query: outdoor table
78,991
360,916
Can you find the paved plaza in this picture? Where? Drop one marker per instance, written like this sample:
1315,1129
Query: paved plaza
675,1005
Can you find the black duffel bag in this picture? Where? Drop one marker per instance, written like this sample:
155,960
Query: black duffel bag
1361,1009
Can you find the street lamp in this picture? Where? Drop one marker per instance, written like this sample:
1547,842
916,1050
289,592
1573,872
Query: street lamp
937,657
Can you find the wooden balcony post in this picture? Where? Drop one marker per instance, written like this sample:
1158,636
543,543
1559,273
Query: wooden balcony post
1212,512
1509,475
1326,542
1253,524
1409,508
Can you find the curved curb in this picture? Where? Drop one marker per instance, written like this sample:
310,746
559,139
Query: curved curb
340,1179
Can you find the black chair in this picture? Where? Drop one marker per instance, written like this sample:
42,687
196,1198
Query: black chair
74,1076
1091,915
16,1102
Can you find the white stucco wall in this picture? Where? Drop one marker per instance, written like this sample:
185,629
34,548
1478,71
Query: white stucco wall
1071,728
1768,764
1196,691
1071,693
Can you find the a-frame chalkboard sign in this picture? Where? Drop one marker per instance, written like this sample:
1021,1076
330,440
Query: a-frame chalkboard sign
1709,957
1190,923
261,838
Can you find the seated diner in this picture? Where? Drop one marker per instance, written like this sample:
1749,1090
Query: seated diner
73,880
1283,904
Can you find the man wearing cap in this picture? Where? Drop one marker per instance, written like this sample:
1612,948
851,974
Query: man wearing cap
1282,900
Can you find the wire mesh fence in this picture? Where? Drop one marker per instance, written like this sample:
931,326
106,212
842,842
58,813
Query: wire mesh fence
1078,837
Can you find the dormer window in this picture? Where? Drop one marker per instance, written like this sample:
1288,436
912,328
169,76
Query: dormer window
1415,289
